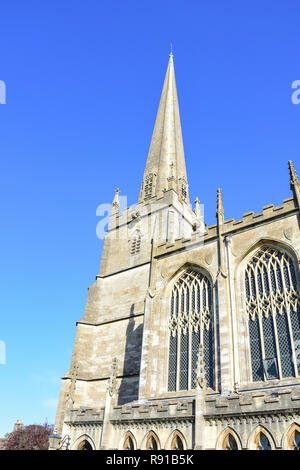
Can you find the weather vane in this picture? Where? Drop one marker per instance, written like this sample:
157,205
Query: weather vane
171,53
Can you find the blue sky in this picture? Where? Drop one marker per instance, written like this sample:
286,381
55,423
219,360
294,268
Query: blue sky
83,81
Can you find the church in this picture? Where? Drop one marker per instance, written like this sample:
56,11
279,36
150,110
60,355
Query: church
190,337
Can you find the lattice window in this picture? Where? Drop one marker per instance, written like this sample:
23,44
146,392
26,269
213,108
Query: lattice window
191,323
149,185
135,245
184,188
273,307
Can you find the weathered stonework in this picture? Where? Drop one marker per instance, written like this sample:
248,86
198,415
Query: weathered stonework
147,250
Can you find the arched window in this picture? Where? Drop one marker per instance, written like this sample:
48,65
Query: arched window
191,323
293,438
296,441
128,442
230,443
135,243
152,442
262,442
272,303
85,445
177,442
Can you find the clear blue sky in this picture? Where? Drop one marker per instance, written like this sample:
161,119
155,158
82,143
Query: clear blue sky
83,84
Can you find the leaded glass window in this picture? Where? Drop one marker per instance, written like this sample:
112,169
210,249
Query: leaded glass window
273,309
190,324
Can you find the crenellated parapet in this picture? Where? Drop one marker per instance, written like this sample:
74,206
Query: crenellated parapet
282,401
84,415
231,226
269,212
152,412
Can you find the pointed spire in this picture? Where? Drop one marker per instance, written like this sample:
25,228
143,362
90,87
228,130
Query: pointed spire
165,167
294,182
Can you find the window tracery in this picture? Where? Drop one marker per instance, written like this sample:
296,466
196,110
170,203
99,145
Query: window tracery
272,304
191,323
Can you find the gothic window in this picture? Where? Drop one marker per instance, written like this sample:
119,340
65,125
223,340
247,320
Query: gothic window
230,443
262,442
296,440
272,304
128,442
177,442
293,438
135,246
191,323
152,442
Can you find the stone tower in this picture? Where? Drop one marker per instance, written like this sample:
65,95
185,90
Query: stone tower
191,334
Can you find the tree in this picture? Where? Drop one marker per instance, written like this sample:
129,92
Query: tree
32,437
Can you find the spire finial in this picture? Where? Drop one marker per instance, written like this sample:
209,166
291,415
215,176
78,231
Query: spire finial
197,207
171,50
116,202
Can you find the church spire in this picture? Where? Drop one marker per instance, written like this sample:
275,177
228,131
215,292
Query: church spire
165,167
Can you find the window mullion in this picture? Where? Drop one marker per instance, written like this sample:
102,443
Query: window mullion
274,313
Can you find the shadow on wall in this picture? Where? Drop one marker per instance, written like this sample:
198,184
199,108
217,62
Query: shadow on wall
128,390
